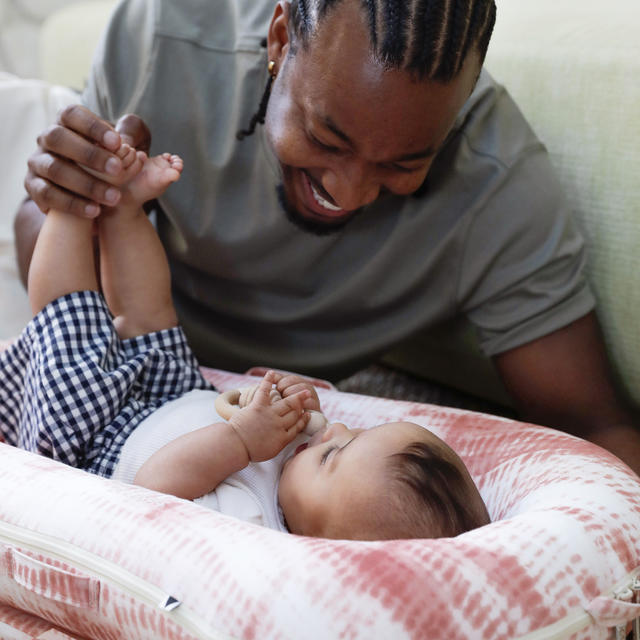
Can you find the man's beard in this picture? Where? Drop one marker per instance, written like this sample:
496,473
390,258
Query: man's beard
305,224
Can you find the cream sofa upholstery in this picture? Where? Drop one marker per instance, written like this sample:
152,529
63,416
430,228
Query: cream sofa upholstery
26,106
572,66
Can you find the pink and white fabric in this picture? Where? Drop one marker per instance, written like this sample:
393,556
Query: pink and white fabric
84,557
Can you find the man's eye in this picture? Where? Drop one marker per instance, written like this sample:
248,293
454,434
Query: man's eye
402,169
326,453
322,145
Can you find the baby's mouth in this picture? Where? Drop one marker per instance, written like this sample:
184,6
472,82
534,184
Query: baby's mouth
300,448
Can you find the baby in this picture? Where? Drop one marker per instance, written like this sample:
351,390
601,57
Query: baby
102,379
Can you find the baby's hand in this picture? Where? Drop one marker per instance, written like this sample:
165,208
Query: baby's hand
289,384
265,428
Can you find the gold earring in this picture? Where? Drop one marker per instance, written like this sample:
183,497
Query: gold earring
272,68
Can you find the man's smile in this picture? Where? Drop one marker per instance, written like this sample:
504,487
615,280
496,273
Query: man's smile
309,204
317,199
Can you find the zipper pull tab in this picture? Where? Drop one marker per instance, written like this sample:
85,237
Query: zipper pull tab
626,595
635,587
170,603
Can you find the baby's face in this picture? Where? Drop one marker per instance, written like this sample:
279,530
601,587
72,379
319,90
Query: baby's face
330,485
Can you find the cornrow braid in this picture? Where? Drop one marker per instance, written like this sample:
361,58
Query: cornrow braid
395,17
259,116
372,12
428,38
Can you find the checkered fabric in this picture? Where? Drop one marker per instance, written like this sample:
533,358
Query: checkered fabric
71,390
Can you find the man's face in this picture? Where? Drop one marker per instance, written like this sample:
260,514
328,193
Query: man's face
332,485
344,129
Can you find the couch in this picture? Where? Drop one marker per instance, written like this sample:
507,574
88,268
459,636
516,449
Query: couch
572,66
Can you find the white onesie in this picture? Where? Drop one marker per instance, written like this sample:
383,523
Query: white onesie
250,494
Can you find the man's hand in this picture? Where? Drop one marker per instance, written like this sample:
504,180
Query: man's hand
265,428
55,178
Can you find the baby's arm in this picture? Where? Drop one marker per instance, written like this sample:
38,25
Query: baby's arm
197,462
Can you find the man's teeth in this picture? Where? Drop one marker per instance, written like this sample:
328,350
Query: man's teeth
321,201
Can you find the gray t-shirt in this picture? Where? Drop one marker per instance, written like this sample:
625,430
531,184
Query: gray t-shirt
489,234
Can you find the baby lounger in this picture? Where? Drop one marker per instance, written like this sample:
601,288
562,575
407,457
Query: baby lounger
82,557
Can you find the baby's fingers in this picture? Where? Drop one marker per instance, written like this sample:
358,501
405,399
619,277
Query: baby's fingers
298,426
292,404
262,396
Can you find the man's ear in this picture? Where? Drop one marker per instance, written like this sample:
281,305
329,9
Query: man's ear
278,35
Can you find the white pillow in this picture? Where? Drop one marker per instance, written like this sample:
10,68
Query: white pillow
26,108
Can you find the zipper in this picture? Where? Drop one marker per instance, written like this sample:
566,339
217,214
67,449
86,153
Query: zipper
102,569
635,587
579,620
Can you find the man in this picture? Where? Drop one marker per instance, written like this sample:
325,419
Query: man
413,190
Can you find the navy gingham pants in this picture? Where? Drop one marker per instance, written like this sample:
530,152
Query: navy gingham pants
71,390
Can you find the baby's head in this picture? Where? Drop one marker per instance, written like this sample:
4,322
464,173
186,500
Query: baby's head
396,480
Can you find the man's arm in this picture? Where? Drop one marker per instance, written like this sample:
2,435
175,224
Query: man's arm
564,380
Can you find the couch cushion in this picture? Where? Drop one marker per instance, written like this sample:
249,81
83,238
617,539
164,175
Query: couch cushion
26,108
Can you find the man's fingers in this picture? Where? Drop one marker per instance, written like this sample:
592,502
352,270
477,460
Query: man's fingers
90,126
47,196
65,143
66,175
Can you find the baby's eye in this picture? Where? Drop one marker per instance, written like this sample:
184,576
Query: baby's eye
326,453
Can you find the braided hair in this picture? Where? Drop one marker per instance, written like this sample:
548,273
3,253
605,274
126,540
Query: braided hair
430,39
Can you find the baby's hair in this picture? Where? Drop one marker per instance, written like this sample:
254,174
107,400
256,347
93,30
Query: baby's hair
436,497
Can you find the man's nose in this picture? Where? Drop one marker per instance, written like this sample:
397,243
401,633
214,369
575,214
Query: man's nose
351,184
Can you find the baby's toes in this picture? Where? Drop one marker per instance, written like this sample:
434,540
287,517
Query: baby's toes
130,156
123,151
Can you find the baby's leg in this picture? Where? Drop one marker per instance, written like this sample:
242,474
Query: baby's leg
133,265
63,259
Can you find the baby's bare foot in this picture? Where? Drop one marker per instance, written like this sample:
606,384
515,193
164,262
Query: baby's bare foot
157,174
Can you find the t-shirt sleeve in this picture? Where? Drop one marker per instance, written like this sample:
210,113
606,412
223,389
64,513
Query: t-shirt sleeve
123,60
523,269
